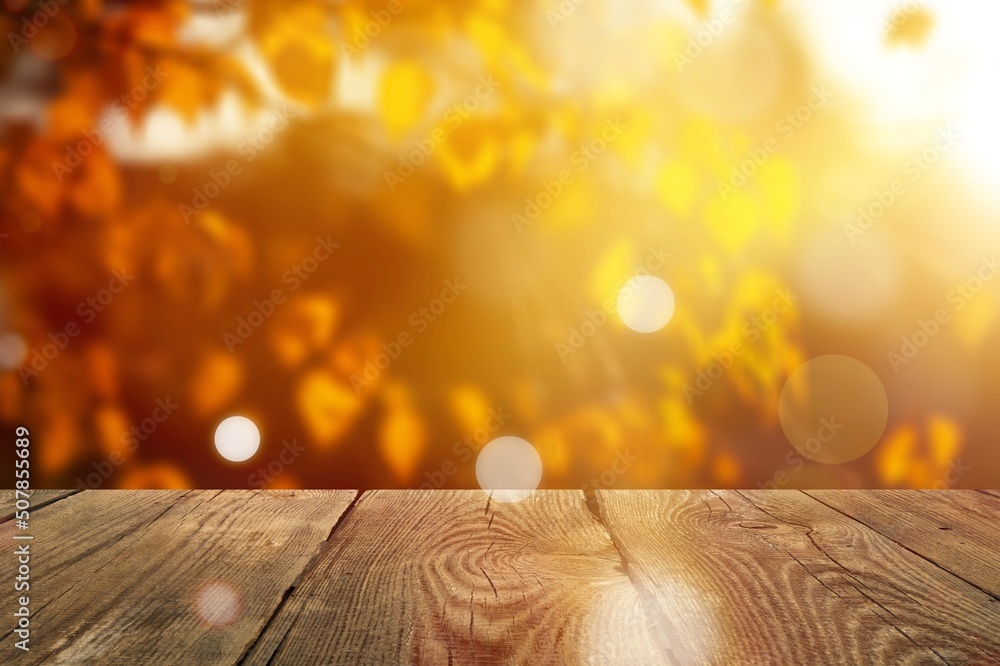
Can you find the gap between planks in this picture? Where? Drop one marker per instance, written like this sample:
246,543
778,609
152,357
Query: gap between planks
434,621
49,497
286,595
661,634
899,543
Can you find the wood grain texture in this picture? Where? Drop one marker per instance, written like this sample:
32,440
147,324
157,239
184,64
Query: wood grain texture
933,608
734,585
71,531
453,577
955,529
458,577
38,499
166,577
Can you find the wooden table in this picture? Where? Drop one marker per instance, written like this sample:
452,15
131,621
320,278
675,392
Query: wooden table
458,577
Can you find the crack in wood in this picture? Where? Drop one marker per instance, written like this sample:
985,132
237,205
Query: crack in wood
321,549
670,650
905,547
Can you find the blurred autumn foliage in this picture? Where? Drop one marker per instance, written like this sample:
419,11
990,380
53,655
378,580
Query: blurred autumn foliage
205,148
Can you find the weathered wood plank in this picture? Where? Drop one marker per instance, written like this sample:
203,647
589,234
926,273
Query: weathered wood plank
430,576
193,578
734,585
955,529
76,527
451,577
39,498
930,606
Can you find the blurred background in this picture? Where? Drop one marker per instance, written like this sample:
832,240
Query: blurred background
388,232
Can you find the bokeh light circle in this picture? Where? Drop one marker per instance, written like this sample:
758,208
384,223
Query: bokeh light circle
55,39
833,409
218,604
237,438
168,174
645,304
510,467
13,350
30,222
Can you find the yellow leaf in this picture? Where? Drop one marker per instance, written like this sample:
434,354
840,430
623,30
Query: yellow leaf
111,425
216,382
402,435
733,220
469,407
681,429
908,28
469,156
945,439
300,51
61,437
726,469
700,7
895,455
184,90
405,91
305,325
327,407
520,148
678,187
616,265
974,322
778,183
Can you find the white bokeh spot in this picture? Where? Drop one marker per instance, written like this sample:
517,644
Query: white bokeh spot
237,438
833,409
13,350
510,468
645,304
218,604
